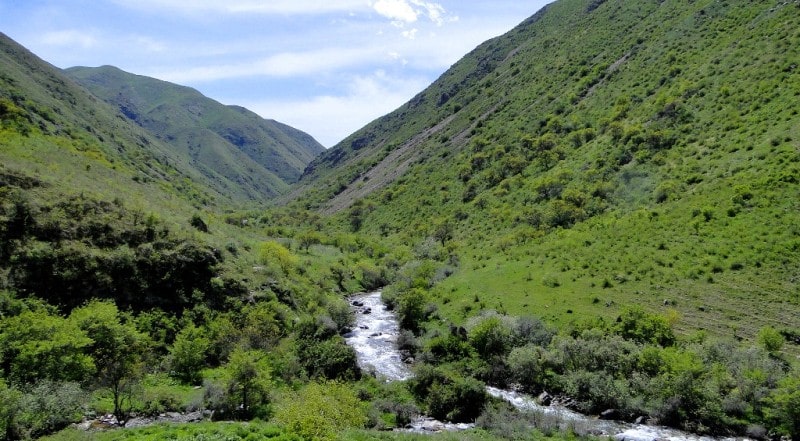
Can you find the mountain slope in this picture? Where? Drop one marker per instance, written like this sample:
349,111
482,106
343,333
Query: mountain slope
260,156
55,131
601,153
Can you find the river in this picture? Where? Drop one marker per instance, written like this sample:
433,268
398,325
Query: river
375,341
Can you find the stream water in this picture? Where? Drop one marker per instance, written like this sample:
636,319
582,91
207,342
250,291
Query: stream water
375,342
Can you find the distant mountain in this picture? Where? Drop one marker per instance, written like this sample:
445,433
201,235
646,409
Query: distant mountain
55,132
261,157
600,153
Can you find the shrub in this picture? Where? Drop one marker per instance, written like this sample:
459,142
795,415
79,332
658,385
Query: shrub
318,411
637,325
456,399
770,339
784,407
411,310
527,367
47,406
275,253
490,338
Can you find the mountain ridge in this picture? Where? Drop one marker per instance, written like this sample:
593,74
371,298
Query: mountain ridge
261,156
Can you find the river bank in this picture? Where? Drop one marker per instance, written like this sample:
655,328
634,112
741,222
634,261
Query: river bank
374,340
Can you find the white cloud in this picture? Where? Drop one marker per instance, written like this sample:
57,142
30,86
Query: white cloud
396,10
410,34
288,64
331,118
434,11
70,37
402,12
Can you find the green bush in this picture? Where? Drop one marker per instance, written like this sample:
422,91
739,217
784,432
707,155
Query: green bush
527,367
491,337
637,325
188,354
45,407
318,411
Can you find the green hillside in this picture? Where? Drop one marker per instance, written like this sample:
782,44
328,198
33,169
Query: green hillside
600,154
56,132
257,157
602,204
130,282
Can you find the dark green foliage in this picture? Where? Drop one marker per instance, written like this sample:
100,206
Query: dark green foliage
40,345
637,325
188,354
448,395
79,248
198,223
323,353
411,310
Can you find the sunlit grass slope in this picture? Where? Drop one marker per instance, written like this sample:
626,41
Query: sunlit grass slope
600,154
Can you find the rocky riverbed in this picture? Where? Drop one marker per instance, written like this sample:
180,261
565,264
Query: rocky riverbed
375,342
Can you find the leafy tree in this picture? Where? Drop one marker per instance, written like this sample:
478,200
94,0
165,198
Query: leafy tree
249,381
274,253
329,358
443,230
447,394
188,354
265,323
308,238
411,310
637,325
117,349
38,345
784,407
527,366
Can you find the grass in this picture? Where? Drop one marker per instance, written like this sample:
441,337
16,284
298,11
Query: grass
577,173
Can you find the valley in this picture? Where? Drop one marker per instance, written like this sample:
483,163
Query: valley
602,204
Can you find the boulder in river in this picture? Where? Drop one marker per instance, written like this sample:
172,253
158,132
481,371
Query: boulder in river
609,414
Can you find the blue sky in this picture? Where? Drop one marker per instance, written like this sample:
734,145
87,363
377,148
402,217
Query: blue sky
327,67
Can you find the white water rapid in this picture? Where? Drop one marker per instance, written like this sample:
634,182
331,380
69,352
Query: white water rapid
375,342
375,338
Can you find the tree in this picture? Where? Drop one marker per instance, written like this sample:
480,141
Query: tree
36,345
443,231
637,325
188,354
117,348
308,238
249,381
784,407
274,253
411,310
527,366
